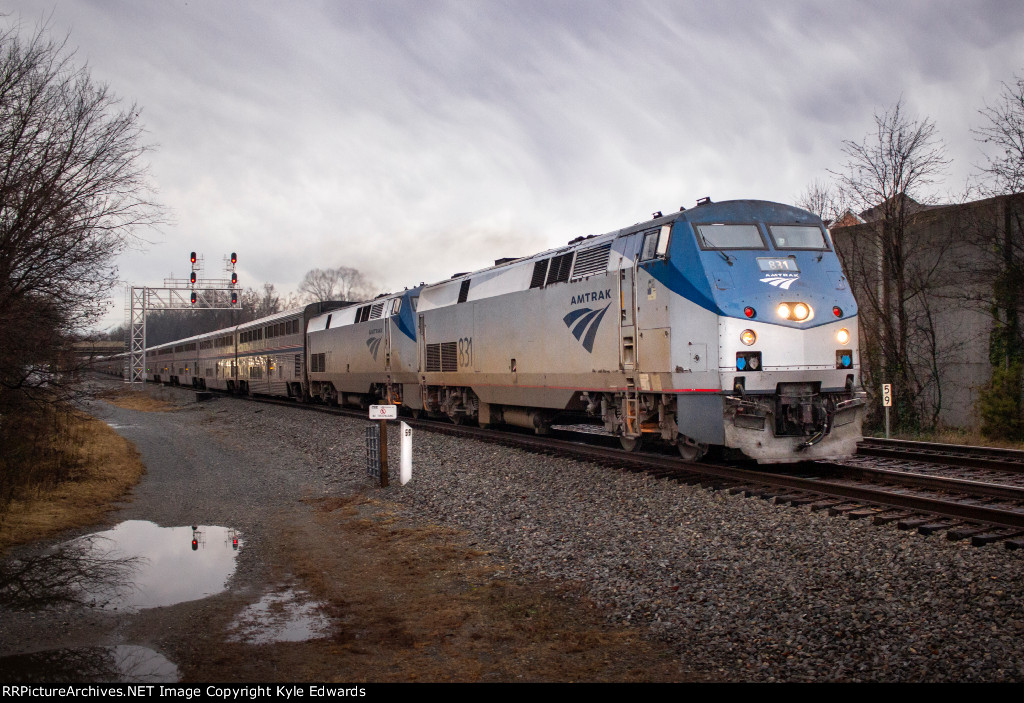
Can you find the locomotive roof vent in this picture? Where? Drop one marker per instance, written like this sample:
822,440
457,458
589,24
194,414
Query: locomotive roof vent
656,215
456,275
703,201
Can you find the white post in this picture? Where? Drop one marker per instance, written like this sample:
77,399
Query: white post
405,474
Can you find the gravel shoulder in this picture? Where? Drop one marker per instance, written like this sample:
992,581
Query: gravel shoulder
494,564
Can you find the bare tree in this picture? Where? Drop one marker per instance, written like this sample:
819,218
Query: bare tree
1004,130
268,303
888,174
825,200
1002,238
73,190
341,283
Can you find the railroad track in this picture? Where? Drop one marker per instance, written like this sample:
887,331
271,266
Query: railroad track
950,454
985,512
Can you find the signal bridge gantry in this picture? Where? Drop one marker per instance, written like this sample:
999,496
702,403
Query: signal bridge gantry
192,293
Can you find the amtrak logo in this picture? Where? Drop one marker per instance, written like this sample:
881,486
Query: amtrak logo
374,344
782,281
586,321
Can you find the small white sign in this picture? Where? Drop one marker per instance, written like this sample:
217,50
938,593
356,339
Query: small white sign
383,412
406,472
887,395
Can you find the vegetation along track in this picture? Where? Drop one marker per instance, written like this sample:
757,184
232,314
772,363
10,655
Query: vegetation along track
983,511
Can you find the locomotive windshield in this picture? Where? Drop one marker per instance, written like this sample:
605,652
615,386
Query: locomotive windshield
730,237
798,237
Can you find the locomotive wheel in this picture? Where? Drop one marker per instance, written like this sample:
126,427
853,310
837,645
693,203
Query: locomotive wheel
631,444
691,451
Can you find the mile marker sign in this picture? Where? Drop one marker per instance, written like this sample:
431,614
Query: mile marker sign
887,395
383,412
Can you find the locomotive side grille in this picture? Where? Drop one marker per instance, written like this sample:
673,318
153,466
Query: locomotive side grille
560,268
591,261
464,291
376,310
450,356
433,357
298,365
540,272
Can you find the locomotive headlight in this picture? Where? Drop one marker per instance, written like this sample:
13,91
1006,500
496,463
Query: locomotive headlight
843,336
801,311
783,311
748,337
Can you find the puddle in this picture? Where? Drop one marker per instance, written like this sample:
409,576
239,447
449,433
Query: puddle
124,663
288,616
167,565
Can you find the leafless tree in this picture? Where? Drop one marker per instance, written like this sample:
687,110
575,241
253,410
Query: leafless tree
73,191
999,233
825,200
341,283
1003,130
887,175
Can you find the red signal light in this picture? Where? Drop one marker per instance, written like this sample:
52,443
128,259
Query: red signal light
234,298
193,257
195,544
234,258
192,278
193,297
234,279
749,311
837,311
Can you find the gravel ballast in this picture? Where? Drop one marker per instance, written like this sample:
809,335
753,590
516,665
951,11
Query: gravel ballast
742,587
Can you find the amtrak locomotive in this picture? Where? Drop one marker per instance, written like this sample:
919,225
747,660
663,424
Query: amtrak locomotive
728,325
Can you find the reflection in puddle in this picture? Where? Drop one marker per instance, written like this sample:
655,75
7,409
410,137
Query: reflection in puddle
280,617
125,663
62,575
170,564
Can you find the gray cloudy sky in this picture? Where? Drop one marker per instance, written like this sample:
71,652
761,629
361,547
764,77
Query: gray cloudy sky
412,140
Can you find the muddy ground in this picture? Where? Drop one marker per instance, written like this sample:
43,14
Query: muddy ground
403,601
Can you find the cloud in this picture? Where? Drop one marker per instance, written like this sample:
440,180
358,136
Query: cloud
416,139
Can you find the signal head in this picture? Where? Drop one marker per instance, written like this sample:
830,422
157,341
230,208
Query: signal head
192,258
234,258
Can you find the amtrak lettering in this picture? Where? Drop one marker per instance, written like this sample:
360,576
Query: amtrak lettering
592,297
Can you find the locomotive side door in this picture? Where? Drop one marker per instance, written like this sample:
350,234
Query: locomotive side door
627,306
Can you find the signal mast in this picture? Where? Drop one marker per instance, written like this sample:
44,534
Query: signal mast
202,294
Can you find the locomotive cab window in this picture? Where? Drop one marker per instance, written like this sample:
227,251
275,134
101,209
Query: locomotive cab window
798,237
655,243
730,237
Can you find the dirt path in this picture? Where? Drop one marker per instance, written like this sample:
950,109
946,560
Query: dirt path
402,601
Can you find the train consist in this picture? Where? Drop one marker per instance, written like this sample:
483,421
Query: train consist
726,325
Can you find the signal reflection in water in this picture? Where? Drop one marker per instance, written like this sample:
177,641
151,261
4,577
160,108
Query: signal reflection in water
170,564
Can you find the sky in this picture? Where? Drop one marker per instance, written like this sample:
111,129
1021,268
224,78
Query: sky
413,140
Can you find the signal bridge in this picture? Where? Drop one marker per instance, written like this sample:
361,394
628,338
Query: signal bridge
192,293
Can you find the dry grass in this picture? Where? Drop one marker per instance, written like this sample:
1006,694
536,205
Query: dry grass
136,400
99,467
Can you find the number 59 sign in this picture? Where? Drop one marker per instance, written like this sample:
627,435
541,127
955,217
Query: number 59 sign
887,395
